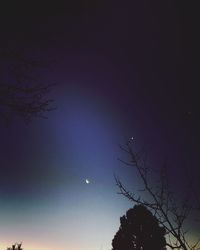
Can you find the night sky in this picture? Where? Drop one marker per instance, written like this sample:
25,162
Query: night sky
122,69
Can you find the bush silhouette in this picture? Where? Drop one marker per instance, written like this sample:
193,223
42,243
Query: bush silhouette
139,230
16,246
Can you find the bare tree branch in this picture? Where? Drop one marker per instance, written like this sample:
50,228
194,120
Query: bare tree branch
20,92
161,201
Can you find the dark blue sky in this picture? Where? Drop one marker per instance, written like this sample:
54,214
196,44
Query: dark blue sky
122,70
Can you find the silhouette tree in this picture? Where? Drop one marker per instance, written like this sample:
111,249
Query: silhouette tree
139,230
21,93
170,211
16,246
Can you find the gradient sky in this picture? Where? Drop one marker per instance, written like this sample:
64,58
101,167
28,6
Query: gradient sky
122,70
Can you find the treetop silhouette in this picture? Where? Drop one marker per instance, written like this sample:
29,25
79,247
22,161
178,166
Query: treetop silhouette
170,211
139,230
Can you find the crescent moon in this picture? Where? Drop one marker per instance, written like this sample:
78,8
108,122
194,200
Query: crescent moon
87,181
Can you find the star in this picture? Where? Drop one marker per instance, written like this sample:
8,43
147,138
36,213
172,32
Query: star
131,140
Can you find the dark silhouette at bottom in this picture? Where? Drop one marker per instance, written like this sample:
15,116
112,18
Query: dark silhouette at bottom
139,230
16,246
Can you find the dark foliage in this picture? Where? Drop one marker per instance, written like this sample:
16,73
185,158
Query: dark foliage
16,246
156,195
139,230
